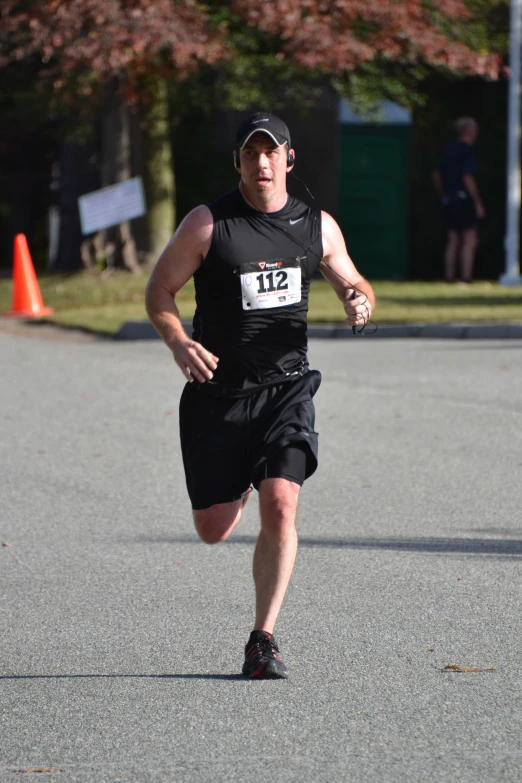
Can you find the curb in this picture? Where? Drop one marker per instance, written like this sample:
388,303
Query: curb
143,330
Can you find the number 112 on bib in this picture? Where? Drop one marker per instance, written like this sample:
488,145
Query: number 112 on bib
269,284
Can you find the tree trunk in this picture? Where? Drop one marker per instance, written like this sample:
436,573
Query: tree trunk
158,170
117,167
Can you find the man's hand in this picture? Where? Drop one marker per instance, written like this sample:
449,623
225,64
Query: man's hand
195,362
480,210
359,310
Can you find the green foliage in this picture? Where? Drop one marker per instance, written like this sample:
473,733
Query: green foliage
487,29
253,72
377,80
257,73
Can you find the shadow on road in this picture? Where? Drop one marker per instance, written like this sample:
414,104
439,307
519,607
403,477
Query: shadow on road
470,345
238,677
495,547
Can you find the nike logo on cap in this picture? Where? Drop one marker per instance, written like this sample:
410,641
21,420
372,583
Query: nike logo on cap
293,222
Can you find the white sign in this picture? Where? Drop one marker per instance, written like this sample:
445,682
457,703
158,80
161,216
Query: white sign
109,206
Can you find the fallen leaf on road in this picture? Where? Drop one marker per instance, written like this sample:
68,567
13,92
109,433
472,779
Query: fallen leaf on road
456,668
366,486
169,413
4,543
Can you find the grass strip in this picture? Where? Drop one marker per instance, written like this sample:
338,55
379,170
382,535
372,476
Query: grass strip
103,304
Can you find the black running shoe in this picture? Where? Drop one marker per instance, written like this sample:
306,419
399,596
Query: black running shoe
262,661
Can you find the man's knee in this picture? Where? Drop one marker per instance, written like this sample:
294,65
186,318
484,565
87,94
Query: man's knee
216,523
470,238
278,505
453,239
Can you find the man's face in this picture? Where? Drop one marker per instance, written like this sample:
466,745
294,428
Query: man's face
470,135
263,166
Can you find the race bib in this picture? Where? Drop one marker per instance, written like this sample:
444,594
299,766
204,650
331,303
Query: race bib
267,284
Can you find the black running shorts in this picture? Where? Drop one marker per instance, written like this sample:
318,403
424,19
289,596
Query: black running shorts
230,443
460,215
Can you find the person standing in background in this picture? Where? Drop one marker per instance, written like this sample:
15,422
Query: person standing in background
455,179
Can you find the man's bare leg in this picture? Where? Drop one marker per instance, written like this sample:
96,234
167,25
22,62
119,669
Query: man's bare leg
467,258
274,558
215,524
450,255
276,548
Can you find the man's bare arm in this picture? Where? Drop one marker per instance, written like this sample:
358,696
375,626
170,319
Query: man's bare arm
175,266
338,268
471,186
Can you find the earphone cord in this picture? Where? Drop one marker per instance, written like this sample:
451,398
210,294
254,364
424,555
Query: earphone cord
302,183
354,287
359,293
306,249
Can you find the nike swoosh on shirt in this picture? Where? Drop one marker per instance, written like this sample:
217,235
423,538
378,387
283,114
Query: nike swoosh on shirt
293,222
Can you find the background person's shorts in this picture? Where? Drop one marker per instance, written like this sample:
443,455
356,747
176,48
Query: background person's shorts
460,214
229,443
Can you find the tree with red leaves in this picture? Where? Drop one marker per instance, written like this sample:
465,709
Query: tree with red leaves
115,55
337,36
93,41
120,54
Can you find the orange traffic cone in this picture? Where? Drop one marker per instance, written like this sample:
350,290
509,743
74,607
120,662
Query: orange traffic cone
27,300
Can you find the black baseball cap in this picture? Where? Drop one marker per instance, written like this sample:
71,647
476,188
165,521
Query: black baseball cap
263,122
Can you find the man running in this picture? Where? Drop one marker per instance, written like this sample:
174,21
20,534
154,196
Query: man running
247,413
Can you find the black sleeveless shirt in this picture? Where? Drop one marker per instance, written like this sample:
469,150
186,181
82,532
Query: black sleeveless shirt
252,293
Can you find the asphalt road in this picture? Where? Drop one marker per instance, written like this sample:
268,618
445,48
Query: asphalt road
122,635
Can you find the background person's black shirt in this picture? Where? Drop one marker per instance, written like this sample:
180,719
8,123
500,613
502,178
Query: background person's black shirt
457,159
